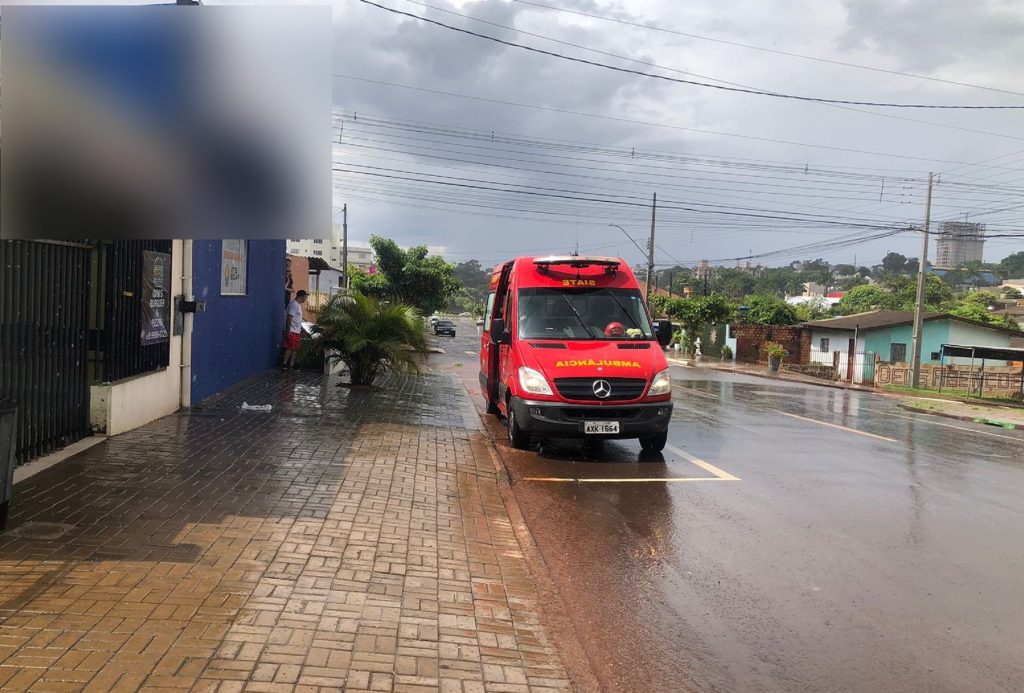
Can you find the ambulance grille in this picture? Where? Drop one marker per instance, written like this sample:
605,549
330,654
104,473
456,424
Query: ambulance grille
582,389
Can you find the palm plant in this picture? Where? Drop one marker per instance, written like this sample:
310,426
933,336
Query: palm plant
368,336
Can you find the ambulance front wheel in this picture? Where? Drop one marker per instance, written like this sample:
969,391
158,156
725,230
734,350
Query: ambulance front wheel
517,437
654,443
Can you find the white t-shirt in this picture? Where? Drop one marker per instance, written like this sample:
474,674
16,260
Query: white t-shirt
294,317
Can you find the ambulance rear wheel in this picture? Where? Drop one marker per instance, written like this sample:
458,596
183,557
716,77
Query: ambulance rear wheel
655,443
517,437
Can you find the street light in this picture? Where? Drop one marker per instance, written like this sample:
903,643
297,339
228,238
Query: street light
642,251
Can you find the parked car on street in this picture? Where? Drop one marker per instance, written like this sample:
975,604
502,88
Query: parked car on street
444,327
434,319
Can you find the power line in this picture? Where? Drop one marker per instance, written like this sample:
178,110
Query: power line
581,196
695,74
633,121
677,80
769,50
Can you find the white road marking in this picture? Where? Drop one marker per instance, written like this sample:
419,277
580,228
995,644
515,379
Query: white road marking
662,480
928,420
691,391
841,428
707,466
719,475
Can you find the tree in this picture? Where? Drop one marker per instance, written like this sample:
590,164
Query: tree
895,293
697,313
937,294
850,282
811,310
734,283
861,299
780,281
410,276
845,270
368,337
979,306
864,271
1012,293
472,274
894,263
768,310
1012,266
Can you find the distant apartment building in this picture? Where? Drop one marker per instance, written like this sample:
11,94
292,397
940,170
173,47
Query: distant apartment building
704,271
959,242
329,250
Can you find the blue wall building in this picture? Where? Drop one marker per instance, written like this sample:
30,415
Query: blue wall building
240,332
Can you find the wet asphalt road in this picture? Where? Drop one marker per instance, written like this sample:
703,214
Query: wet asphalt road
798,538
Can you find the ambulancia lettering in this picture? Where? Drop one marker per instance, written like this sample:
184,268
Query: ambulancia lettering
592,362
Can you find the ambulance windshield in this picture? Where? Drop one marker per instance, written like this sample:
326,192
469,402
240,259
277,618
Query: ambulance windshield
584,313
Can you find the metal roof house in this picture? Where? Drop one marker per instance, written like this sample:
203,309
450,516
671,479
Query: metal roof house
858,339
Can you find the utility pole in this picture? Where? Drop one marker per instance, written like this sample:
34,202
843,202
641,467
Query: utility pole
915,377
650,249
344,246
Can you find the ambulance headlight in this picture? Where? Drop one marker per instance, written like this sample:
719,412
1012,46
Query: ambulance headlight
533,382
662,383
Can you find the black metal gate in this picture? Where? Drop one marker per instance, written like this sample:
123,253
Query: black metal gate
44,312
116,351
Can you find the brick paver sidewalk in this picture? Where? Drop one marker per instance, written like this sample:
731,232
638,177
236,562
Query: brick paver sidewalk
348,540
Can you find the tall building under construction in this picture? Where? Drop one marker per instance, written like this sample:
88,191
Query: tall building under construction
959,242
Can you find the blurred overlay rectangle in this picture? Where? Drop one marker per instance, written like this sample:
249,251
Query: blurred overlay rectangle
165,121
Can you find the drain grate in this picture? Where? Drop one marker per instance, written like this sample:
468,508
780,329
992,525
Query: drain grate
41,531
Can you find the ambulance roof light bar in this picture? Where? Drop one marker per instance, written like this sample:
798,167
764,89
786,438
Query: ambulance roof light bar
610,264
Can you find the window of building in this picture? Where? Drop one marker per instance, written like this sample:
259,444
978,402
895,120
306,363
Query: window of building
824,345
318,252
897,352
935,356
318,241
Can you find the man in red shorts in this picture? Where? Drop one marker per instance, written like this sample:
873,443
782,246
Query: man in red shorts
292,329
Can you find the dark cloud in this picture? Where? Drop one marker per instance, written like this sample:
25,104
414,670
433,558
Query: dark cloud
377,45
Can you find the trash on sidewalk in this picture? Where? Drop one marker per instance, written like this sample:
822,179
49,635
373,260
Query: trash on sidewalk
256,407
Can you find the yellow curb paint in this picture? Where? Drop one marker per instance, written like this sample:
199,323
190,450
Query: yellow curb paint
841,428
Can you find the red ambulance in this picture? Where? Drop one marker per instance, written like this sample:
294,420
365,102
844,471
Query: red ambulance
568,350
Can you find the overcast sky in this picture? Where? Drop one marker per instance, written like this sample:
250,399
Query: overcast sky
485,150
392,131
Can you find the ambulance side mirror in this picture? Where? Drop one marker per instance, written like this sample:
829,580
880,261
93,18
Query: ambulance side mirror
498,333
664,329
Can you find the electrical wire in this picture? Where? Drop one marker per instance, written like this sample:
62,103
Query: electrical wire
768,50
708,85
632,121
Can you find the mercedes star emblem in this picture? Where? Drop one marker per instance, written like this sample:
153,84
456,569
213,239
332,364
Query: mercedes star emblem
602,389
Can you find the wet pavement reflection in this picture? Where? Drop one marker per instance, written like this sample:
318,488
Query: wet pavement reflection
863,548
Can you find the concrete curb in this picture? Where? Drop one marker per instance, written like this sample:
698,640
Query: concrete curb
559,623
958,417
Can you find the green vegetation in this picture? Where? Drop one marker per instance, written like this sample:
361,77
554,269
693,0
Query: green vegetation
1012,266
409,277
368,337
